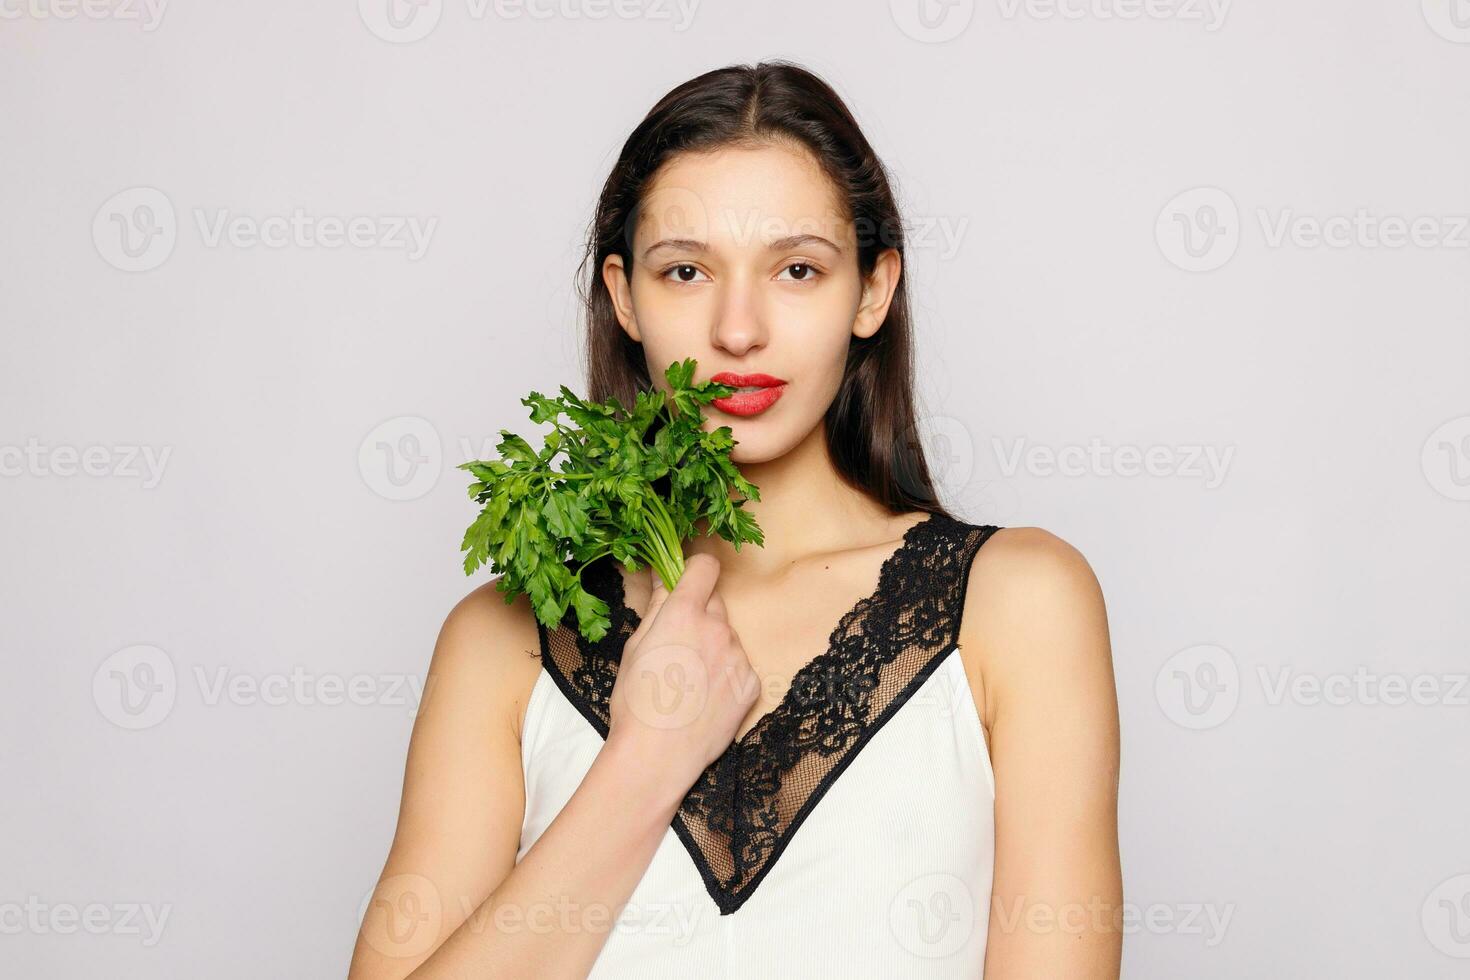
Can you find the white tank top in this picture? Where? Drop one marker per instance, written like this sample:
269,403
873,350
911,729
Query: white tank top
849,833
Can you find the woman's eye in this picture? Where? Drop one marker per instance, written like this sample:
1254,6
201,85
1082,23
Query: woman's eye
682,273
686,273
801,272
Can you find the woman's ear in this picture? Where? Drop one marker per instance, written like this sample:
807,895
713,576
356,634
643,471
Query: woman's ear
878,289
615,279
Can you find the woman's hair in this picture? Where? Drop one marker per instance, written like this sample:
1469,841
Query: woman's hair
871,431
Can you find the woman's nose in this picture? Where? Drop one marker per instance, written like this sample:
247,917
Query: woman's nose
738,327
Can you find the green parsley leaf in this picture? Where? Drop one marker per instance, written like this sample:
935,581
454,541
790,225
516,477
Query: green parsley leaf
634,482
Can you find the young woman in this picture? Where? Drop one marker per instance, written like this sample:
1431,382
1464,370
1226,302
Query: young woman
885,744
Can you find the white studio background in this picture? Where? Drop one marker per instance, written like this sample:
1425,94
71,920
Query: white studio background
1192,283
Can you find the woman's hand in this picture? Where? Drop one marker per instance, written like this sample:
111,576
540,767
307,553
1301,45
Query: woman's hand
684,683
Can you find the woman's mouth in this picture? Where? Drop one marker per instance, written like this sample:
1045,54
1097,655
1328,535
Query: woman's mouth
754,393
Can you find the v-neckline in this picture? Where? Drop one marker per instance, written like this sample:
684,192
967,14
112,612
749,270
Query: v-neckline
824,658
746,806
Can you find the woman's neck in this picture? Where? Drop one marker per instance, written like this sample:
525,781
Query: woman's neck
806,508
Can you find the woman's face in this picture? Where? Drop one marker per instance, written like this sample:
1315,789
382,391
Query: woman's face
743,261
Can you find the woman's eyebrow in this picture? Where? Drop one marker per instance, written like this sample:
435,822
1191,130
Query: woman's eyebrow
796,241
779,245
681,244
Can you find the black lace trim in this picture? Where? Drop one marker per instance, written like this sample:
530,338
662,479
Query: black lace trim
746,806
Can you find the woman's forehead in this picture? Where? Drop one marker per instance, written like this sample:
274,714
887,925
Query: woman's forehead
742,198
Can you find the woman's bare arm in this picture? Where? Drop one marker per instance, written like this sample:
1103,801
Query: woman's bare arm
459,817
1036,617
451,901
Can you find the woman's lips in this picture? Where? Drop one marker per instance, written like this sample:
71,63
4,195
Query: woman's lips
768,390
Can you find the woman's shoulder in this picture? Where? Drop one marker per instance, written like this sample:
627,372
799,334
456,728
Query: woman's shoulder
1025,574
488,651
1032,559
1033,609
1007,563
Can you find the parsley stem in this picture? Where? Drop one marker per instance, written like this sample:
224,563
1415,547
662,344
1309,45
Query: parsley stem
667,552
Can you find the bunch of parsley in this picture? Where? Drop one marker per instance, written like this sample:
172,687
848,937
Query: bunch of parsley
632,483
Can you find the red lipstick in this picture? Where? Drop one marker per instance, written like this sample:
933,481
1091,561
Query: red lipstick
763,394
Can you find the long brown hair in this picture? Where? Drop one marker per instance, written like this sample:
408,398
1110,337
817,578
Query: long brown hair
870,426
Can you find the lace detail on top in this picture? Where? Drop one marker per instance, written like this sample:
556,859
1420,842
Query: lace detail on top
744,808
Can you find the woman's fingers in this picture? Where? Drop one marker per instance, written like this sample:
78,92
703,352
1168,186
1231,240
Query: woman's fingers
716,607
693,589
